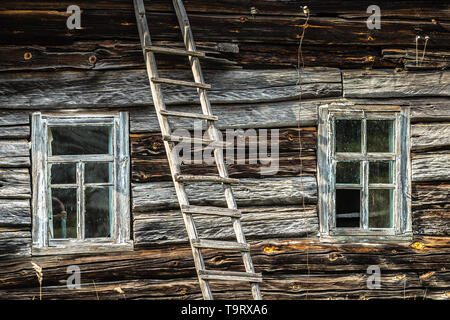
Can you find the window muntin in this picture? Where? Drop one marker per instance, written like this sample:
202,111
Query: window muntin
90,181
81,177
363,162
368,147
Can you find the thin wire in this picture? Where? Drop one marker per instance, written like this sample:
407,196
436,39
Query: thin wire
300,68
424,49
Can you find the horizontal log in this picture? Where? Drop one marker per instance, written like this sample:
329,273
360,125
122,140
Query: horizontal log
112,89
287,113
408,59
430,195
15,243
253,115
14,153
15,183
38,26
104,55
343,8
430,136
435,222
120,54
300,287
431,167
14,118
149,161
153,229
273,258
15,213
271,191
15,132
390,84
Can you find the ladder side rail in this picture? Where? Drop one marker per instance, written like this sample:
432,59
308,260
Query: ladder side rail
213,134
173,158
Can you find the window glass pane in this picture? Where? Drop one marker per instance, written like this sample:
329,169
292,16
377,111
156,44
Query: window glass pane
98,172
63,213
380,136
63,173
72,140
348,136
348,204
380,208
381,171
348,172
98,212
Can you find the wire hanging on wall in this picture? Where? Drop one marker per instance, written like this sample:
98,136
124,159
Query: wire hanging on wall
300,68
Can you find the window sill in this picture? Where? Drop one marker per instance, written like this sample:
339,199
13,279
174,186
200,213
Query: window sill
82,248
326,238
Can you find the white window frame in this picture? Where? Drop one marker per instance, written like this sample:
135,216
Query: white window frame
402,225
120,237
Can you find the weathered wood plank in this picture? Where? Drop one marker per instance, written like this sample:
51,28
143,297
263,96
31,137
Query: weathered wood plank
112,89
14,153
15,183
14,118
15,213
37,26
272,191
288,113
430,136
408,60
297,287
342,8
430,195
272,257
431,167
149,161
15,132
15,243
257,222
391,84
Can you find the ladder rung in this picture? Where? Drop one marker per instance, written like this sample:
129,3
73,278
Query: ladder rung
188,115
182,83
221,245
188,178
213,211
178,52
209,142
230,276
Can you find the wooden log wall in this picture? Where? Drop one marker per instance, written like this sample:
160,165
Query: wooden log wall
251,64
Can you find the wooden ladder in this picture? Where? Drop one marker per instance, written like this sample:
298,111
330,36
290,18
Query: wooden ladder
188,211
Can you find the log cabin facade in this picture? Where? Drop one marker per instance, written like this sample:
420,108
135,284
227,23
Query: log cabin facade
378,87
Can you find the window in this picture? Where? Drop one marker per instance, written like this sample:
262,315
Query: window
80,183
364,173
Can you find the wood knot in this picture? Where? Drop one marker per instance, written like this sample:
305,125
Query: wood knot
296,287
243,19
270,250
426,275
27,56
155,146
290,137
173,263
418,245
400,276
334,256
92,59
